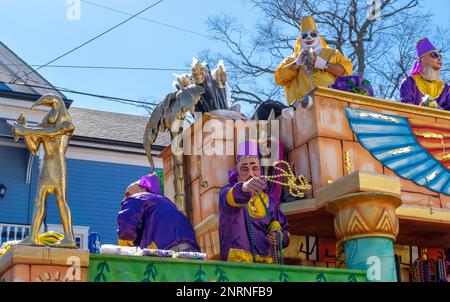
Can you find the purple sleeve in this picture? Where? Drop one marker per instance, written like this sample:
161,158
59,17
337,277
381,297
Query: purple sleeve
446,104
130,219
408,93
240,196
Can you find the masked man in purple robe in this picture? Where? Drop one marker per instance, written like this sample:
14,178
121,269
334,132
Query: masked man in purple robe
424,86
251,226
149,220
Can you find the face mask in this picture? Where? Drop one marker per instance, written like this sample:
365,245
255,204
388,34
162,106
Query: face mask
311,40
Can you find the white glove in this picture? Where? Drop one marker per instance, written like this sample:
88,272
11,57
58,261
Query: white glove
425,100
300,59
320,63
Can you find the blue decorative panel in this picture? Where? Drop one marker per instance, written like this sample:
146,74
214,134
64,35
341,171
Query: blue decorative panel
391,140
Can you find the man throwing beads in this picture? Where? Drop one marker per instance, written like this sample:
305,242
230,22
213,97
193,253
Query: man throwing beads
251,226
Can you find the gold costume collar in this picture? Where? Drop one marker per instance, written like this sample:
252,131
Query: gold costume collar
433,89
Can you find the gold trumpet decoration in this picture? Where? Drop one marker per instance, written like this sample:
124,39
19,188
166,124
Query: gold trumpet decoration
295,184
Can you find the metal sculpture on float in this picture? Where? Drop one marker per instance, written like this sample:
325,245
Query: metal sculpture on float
202,91
53,134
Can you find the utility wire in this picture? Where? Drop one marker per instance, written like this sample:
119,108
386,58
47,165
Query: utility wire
62,89
148,20
98,36
103,67
117,68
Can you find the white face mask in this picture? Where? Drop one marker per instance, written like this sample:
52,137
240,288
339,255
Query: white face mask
311,40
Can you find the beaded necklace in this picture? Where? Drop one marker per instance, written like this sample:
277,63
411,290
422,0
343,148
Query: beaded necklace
252,234
277,249
295,184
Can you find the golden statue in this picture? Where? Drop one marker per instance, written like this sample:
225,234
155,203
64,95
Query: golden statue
54,134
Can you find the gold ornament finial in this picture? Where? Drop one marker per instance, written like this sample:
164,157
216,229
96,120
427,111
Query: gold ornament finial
198,71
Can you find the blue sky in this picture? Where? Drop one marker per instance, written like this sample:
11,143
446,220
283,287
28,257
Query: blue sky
39,31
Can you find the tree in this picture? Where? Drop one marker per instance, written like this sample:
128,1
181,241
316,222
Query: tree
378,36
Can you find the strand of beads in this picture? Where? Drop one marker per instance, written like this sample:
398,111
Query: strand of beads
274,253
252,235
278,246
421,271
428,267
295,184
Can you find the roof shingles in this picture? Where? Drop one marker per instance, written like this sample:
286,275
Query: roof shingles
113,126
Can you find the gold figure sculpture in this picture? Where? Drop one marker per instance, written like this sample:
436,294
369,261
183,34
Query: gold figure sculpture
53,134
198,87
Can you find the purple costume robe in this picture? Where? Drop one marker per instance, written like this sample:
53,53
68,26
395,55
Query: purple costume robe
410,93
147,218
233,224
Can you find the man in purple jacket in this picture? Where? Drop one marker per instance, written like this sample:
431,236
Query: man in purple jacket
424,85
251,226
149,220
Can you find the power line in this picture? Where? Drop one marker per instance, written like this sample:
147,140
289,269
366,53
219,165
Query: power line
103,67
149,20
117,68
67,90
98,36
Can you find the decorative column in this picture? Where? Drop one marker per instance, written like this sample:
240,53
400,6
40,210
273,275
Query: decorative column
365,221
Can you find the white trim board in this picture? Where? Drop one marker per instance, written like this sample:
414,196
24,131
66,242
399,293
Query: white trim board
100,155
8,111
77,143
111,157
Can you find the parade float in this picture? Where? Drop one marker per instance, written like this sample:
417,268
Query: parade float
368,182
358,197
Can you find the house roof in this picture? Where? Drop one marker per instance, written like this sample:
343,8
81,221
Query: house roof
107,128
113,127
90,125
28,82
